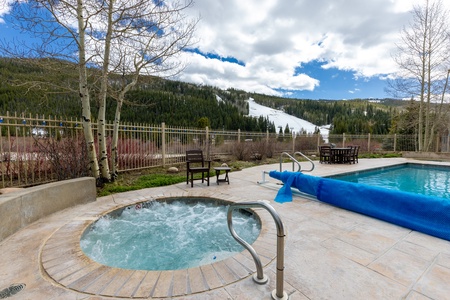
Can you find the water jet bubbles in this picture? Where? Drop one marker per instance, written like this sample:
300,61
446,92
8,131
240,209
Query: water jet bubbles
177,235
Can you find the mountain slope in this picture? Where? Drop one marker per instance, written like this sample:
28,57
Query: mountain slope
281,119
49,87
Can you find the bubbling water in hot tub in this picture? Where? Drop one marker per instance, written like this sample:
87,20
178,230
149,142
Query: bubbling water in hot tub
168,235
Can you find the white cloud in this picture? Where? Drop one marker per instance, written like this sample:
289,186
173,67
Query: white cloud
5,8
261,74
273,37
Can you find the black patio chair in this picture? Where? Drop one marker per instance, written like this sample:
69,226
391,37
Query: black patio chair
195,163
325,154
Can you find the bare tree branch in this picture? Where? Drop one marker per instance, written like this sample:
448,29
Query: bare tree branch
423,57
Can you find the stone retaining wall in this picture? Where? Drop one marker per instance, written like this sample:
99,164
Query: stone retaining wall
25,206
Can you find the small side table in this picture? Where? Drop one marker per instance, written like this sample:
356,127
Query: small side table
218,170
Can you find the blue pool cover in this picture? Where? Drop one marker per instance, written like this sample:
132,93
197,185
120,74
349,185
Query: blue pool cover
427,214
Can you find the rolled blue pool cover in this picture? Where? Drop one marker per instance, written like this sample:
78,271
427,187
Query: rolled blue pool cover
427,214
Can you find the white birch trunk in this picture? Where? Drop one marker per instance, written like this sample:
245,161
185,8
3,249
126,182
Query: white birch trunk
84,94
115,138
101,133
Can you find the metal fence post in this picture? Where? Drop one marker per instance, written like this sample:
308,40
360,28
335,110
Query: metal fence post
163,143
293,142
368,142
208,143
447,143
437,143
395,142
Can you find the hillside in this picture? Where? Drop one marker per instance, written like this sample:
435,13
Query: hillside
49,87
283,120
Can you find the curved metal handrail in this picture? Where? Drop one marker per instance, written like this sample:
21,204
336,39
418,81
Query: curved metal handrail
293,164
294,161
259,277
308,159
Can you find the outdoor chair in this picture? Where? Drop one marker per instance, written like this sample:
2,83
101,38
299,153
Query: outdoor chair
355,154
195,163
352,155
325,154
349,155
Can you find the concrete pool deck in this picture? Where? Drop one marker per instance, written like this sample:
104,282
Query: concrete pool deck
330,253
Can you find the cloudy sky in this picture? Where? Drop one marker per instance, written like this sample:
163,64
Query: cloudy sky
338,49
315,49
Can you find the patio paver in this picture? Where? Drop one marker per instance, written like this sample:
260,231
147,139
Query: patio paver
330,253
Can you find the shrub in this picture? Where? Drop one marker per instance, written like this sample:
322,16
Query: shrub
241,151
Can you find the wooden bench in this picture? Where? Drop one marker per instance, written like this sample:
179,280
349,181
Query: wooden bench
195,163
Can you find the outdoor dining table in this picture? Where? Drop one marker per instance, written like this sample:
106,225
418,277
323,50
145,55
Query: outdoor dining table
339,155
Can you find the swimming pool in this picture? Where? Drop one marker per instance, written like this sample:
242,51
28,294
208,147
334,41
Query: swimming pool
424,213
171,234
429,180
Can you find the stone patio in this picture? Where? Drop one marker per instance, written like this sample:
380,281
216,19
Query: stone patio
330,253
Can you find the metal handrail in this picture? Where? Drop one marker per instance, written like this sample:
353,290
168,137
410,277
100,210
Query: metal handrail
308,159
259,277
294,161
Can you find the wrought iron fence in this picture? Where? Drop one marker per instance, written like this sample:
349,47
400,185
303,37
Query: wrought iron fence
38,149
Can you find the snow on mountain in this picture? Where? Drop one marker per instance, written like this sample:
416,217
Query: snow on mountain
280,118
219,99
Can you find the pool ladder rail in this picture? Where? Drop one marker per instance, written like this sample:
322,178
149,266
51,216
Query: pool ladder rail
294,162
260,277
